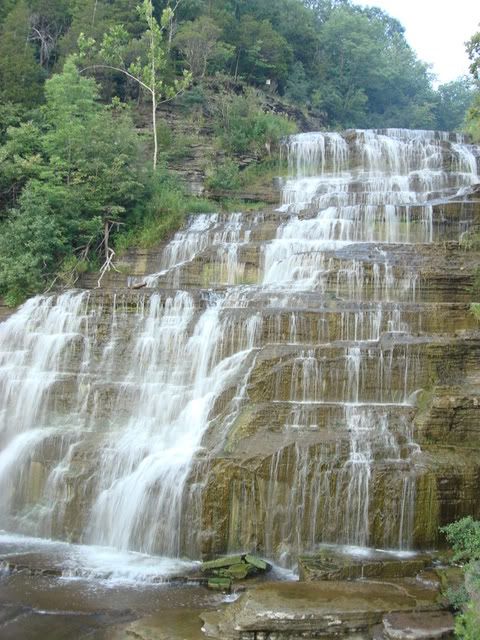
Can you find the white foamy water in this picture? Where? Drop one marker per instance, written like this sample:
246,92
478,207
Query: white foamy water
92,562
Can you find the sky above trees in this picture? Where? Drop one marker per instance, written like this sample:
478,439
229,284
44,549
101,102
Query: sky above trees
436,30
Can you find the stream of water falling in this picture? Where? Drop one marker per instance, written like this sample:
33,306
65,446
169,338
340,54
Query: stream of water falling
106,401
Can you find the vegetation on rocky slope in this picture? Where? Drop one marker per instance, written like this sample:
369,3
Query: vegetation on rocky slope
464,538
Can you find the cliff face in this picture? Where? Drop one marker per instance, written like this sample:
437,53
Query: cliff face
269,380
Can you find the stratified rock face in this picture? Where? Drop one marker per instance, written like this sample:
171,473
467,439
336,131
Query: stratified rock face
284,378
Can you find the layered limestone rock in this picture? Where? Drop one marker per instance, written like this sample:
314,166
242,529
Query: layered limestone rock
264,382
322,610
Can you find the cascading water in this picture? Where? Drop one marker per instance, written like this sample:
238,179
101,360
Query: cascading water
122,413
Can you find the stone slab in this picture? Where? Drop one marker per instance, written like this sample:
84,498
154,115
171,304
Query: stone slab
434,625
344,563
313,610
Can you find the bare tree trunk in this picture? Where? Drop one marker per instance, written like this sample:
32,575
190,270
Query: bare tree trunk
154,124
106,234
154,92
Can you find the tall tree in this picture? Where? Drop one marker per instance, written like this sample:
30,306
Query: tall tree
472,120
21,77
473,50
77,175
149,71
453,101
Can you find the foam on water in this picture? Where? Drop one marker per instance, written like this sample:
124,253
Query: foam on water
93,562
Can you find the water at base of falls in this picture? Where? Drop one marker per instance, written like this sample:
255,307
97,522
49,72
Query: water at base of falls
118,410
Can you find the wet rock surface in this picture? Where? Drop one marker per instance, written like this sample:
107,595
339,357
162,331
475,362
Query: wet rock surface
344,564
315,610
437,625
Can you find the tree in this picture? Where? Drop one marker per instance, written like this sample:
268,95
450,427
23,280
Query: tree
473,51
262,53
453,101
21,77
48,21
91,149
76,171
367,75
464,538
148,72
472,119
197,40
297,87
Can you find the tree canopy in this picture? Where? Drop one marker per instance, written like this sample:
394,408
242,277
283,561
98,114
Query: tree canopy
75,74
351,64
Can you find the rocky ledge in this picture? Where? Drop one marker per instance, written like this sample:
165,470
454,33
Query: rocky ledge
331,609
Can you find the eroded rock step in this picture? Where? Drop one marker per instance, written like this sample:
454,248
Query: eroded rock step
319,610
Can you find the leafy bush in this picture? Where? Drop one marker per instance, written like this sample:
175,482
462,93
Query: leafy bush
472,120
224,176
464,538
475,309
163,211
467,624
243,126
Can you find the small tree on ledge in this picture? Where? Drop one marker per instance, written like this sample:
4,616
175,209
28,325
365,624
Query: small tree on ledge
148,72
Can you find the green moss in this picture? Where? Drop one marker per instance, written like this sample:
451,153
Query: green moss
230,205
475,309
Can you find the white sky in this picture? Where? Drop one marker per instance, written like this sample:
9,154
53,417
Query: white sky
437,30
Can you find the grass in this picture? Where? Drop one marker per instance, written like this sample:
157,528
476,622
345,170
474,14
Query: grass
475,309
166,210
232,205
226,176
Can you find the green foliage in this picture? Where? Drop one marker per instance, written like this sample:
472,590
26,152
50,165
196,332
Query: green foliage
11,115
147,70
457,597
70,269
352,65
475,309
244,127
198,42
163,210
75,168
464,538
368,75
472,119
30,242
298,88
223,176
262,53
192,98
473,51
21,77
454,99
470,240
467,624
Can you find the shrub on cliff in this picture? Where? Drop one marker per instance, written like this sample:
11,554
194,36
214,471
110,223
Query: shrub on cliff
464,538
70,176
244,126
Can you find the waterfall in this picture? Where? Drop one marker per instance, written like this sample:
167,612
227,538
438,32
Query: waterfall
253,393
